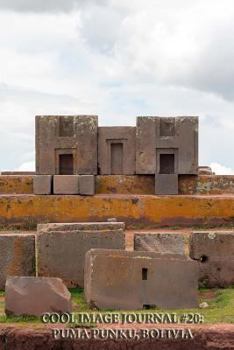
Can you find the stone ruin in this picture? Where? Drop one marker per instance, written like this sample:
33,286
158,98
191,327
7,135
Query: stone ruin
93,256
71,150
161,268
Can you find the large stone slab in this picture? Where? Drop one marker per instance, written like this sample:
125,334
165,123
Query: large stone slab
215,252
135,280
17,256
117,150
66,184
87,185
158,138
42,184
166,184
66,145
166,243
61,252
36,296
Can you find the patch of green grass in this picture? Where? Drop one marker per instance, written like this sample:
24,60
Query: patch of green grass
220,307
78,300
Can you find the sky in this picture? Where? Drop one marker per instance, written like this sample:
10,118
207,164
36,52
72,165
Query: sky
117,59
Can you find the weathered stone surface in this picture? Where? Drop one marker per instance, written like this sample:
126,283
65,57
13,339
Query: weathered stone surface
117,150
17,257
62,253
166,184
134,280
87,185
42,184
13,184
66,184
132,184
81,226
176,136
73,137
165,243
35,296
206,184
136,211
215,252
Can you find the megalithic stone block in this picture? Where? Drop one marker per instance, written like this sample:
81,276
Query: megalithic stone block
166,184
17,257
177,137
167,243
117,150
36,296
66,184
61,249
135,280
87,185
214,250
66,145
42,184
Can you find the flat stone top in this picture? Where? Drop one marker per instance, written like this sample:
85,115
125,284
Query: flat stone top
84,226
79,232
135,254
17,234
213,232
159,231
66,116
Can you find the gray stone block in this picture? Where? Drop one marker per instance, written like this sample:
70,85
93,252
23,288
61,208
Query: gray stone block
87,185
135,280
117,150
176,137
17,256
166,184
66,145
42,184
62,253
215,252
66,184
166,243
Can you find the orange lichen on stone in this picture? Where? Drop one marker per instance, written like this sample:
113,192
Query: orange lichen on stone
16,184
137,211
131,184
125,184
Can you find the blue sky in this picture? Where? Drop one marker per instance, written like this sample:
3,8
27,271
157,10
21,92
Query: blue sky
117,59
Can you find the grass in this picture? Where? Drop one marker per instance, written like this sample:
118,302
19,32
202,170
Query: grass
220,307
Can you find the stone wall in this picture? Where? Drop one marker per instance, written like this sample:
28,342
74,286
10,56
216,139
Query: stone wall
131,184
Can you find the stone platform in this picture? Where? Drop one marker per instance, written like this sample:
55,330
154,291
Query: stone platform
127,184
137,211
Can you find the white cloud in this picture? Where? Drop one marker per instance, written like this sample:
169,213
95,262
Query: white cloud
118,60
220,169
27,166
